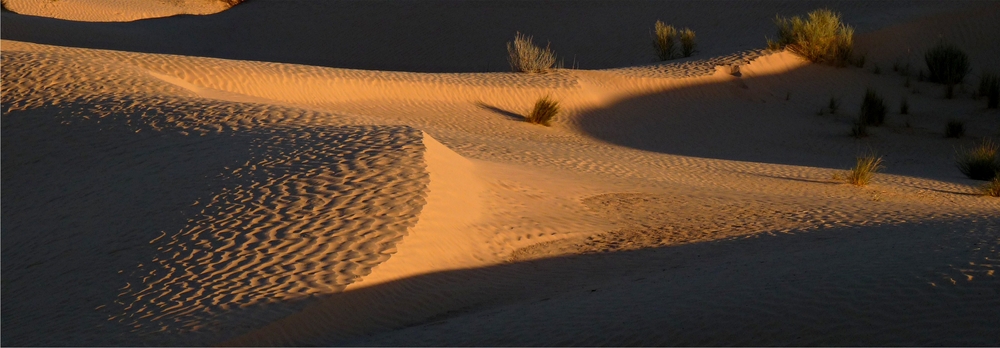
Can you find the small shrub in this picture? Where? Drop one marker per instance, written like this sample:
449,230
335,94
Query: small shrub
992,188
524,56
864,170
954,129
687,42
833,105
859,130
946,64
663,40
989,87
980,162
545,109
820,37
873,109
904,107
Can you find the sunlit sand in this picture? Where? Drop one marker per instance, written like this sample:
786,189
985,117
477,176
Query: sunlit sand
361,173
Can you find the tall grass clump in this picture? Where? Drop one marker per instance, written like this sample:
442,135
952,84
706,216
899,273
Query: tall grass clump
947,65
954,129
687,42
865,167
989,87
543,112
980,162
820,37
859,130
663,40
992,188
873,109
524,56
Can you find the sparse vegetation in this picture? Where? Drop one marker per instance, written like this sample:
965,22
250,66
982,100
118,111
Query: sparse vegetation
545,109
873,109
904,107
865,168
663,40
980,162
820,37
954,129
833,105
859,130
524,56
992,188
876,70
989,87
948,65
687,42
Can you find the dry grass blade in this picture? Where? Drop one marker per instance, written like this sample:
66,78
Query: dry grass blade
980,162
524,56
545,109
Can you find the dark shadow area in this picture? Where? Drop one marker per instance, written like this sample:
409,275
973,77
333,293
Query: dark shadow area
905,284
753,119
511,115
441,35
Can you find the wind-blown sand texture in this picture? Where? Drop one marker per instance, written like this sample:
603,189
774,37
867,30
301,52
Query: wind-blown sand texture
114,10
209,191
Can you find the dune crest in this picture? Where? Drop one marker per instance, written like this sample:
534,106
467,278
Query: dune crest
114,10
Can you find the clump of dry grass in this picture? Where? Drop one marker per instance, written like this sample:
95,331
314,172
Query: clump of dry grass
946,64
991,188
820,37
524,56
873,109
989,87
864,170
980,162
663,40
833,105
687,42
954,129
543,112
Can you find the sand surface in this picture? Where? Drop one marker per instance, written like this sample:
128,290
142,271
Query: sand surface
175,181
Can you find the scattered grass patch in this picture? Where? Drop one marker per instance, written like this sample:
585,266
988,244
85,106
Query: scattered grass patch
989,87
524,56
980,162
663,40
545,109
873,109
820,37
859,130
954,129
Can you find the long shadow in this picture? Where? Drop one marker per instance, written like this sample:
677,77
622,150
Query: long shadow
905,284
511,115
772,119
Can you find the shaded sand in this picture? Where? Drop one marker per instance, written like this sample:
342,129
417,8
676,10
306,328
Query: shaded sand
154,199
114,10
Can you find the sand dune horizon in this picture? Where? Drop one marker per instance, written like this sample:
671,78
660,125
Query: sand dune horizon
360,173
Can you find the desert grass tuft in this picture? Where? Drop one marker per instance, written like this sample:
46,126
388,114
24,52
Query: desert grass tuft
687,42
865,168
904,107
545,109
980,162
991,188
663,40
946,64
954,129
859,130
524,56
876,70
873,109
820,37
989,87
833,105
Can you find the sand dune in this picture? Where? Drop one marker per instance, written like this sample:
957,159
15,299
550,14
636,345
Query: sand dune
114,10
172,198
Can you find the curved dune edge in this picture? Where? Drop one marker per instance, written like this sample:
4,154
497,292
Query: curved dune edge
113,10
439,240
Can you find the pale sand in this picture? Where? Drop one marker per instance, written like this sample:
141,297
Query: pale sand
155,199
114,10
